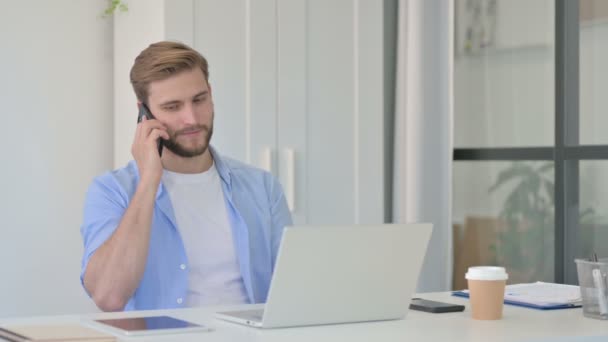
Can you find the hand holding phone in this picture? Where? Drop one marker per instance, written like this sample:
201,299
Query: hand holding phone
144,111
147,146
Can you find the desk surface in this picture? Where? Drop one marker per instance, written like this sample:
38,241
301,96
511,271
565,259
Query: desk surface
518,324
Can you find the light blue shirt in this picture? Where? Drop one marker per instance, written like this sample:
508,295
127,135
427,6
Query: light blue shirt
257,212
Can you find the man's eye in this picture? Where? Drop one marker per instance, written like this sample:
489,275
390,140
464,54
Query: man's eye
171,108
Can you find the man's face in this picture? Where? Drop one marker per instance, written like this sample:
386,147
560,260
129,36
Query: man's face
184,104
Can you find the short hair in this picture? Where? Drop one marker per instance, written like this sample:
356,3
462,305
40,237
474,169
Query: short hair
162,60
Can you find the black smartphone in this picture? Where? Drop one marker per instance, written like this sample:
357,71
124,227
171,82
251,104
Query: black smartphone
433,306
145,111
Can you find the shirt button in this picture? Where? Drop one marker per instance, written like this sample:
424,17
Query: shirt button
182,266
179,300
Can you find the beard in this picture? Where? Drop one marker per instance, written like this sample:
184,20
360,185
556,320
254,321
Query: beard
174,146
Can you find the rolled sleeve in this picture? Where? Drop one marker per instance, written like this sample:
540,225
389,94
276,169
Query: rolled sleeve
103,209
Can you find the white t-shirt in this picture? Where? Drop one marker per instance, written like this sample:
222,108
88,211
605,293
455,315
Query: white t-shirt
200,211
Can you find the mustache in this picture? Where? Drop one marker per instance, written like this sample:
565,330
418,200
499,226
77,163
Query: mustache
191,129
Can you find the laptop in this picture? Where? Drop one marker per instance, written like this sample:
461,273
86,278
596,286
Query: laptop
341,274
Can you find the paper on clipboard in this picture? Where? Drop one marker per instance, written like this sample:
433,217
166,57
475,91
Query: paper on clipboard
541,293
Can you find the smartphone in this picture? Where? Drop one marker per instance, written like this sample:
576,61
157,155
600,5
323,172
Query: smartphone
145,111
433,306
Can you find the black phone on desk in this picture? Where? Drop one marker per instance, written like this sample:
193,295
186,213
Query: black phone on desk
434,306
145,111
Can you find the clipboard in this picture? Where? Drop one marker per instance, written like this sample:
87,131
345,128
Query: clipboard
528,305
539,295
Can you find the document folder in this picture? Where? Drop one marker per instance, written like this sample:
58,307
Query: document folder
44,333
539,295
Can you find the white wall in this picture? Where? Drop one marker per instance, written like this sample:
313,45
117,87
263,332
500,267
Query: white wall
128,43
56,96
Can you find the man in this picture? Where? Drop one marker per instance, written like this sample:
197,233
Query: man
187,227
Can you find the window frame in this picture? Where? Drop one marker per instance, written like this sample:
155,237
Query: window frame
567,152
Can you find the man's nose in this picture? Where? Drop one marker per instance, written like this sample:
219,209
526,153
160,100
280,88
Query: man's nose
188,115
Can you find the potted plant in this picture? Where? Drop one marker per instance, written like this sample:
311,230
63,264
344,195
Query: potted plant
525,245
113,6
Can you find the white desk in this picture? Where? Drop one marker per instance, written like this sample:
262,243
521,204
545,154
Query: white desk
518,324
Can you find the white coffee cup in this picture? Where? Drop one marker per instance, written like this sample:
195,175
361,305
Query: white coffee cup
487,291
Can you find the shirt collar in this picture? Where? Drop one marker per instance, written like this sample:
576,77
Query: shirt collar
220,165
222,169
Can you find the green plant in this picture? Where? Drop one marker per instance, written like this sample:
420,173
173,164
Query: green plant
113,6
525,245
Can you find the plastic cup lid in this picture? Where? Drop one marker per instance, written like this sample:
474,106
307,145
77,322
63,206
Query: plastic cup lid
487,273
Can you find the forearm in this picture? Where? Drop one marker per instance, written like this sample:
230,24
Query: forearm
116,268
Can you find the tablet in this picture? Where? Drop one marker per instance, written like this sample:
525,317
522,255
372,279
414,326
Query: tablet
152,325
